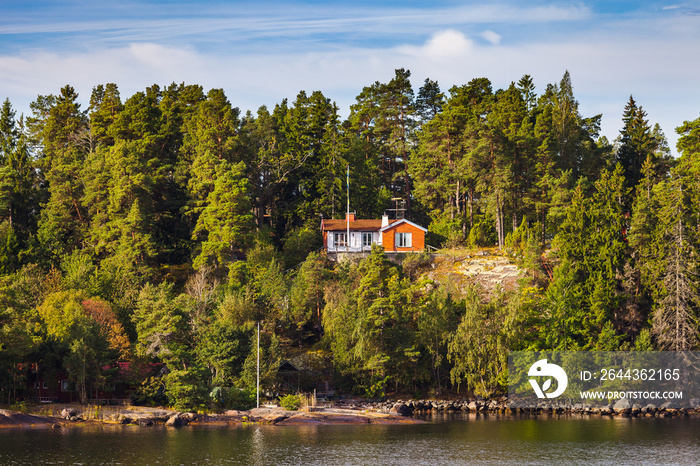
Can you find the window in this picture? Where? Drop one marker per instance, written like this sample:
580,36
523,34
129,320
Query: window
341,240
64,385
366,239
403,240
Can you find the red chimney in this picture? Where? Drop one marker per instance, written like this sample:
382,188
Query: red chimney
350,217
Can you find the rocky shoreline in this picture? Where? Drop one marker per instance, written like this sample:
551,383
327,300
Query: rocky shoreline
75,415
623,407
342,412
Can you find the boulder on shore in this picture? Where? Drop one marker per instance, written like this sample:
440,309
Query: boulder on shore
401,408
622,405
68,413
174,421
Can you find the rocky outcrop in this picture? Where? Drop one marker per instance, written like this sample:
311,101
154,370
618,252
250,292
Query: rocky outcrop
501,405
15,419
623,406
402,408
175,421
341,412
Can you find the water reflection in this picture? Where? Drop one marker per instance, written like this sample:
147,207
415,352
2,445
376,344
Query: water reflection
446,441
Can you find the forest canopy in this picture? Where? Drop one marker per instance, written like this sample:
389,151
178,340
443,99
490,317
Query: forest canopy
161,228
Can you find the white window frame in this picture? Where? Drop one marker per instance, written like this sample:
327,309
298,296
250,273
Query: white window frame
340,240
365,235
403,240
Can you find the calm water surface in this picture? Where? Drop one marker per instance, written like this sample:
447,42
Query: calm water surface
459,440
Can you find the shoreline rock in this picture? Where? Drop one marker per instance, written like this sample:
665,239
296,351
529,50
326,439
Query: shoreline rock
501,405
340,412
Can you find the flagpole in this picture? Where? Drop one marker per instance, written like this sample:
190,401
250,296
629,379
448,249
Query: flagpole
347,216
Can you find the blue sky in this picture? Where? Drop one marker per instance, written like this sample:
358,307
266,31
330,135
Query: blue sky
260,52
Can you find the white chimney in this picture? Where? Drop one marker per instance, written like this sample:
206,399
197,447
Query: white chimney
385,220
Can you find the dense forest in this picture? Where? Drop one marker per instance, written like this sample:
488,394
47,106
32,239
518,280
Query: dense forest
161,229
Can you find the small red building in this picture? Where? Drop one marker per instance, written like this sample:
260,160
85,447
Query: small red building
397,235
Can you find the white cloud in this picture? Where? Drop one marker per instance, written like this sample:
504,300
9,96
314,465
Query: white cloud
651,60
492,37
449,43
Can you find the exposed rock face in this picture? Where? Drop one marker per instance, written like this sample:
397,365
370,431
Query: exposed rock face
13,418
189,417
402,409
269,416
174,421
68,413
622,406
489,269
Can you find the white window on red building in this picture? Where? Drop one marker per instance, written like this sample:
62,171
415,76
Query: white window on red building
403,240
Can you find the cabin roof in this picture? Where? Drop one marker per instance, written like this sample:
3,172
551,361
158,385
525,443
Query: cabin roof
396,223
356,225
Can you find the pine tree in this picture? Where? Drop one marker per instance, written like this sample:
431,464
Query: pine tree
20,191
225,223
429,101
637,143
211,138
57,126
675,322
105,105
572,135
384,116
591,245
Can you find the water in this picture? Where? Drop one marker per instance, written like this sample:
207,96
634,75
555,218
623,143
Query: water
461,440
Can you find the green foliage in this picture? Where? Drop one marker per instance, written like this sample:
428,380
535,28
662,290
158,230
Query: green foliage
150,391
637,143
223,349
9,248
590,242
643,341
270,361
481,234
105,214
437,315
186,389
298,243
307,294
413,262
445,230
478,348
290,402
226,219
369,325
233,398
79,270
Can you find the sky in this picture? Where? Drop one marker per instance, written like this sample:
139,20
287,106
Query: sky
261,52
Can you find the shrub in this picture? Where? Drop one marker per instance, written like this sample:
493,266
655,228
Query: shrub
413,262
482,233
233,398
290,402
445,231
